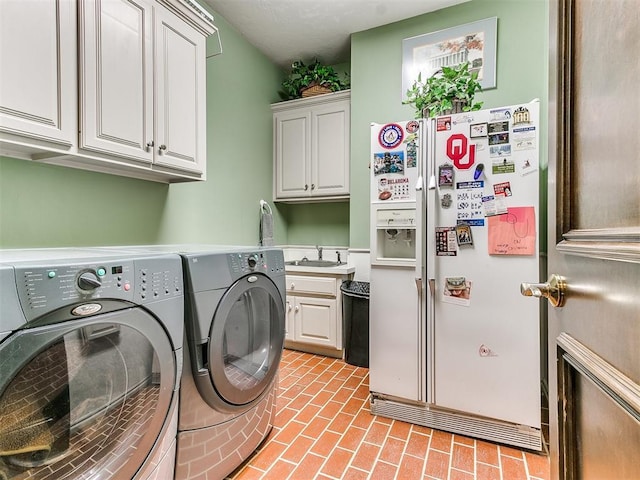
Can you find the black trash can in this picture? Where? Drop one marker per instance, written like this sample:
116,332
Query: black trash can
355,318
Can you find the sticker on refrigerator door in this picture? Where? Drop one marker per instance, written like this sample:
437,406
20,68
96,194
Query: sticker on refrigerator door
501,161
524,138
446,243
390,136
413,126
457,290
443,124
478,130
446,175
485,351
412,151
499,114
460,151
493,205
463,234
521,115
388,162
469,203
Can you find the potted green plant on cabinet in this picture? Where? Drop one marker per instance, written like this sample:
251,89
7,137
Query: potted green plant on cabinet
449,90
306,80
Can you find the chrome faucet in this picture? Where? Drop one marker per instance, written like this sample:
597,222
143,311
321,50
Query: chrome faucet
338,255
319,248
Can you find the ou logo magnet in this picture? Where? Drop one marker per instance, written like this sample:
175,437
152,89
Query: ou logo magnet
457,145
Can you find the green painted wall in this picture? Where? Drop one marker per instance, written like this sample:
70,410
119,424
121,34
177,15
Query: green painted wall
376,80
48,206
42,205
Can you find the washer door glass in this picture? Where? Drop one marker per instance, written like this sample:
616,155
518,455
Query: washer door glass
84,399
247,336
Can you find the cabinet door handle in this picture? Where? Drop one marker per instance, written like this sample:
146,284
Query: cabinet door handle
293,285
313,186
288,306
161,149
149,146
306,187
297,308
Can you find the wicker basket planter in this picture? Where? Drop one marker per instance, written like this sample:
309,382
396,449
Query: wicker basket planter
314,90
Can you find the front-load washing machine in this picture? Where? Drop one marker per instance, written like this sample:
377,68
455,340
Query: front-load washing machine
235,322
90,363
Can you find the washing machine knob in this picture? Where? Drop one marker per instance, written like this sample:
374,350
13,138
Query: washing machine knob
252,261
89,281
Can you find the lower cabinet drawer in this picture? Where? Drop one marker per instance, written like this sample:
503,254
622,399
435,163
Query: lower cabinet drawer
312,285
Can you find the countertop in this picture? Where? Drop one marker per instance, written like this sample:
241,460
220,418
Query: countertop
344,269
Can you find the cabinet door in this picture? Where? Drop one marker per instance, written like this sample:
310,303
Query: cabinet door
290,312
315,321
330,125
292,151
116,77
37,76
180,94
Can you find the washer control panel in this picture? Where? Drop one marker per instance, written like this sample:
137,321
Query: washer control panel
43,288
265,261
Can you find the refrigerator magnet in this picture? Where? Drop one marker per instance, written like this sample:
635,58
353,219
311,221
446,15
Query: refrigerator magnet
445,175
446,200
457,290
446,244
463,234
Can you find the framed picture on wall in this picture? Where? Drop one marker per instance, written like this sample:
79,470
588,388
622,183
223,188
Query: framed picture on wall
473,42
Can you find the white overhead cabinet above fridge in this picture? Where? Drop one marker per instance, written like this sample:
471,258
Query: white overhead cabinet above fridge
478,360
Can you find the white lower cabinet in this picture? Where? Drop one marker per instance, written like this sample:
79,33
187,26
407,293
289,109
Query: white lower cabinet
314,314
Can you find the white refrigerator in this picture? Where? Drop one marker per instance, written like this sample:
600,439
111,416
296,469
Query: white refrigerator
477,231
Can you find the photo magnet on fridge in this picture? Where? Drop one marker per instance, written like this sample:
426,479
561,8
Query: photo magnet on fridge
445,175
463,234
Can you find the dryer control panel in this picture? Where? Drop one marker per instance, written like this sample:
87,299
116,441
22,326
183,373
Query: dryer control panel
264,261
86,286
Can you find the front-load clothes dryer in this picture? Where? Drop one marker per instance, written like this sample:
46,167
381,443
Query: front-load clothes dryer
235,334
90,363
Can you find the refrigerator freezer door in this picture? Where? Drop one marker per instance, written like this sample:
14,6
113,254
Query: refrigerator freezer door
486,335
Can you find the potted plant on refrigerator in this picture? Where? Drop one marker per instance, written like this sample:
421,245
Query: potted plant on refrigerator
306,80
449,90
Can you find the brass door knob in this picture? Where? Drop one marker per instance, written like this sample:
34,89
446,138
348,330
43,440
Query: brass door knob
553,290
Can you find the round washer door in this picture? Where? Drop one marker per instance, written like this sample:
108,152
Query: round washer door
84,399
246,341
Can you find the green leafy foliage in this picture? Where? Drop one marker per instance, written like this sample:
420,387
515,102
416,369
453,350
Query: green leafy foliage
315,73
447,86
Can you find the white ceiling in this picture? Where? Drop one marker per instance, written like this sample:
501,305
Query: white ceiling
289,30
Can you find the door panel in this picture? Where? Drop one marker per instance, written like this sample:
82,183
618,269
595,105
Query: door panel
594,238
180,84
116,75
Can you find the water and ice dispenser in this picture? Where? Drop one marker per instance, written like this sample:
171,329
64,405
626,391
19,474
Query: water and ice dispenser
395,235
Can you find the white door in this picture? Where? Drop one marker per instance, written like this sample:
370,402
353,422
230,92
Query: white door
116,78
330,147
594,239
180,87
37,73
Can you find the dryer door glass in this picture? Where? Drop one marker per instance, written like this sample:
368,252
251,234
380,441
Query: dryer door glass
83,399
247,336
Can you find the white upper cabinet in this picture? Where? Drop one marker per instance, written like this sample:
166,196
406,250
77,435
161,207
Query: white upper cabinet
312,148
116,78
37,73
143,84
123,93
180,94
